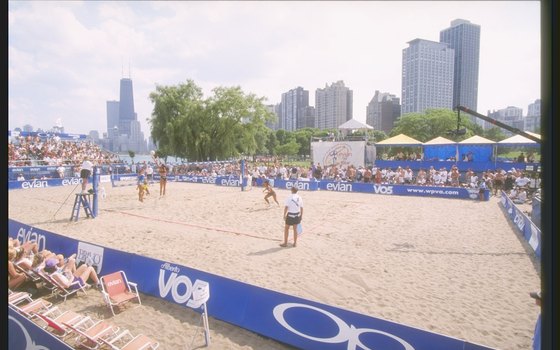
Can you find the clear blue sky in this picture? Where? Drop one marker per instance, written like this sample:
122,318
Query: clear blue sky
66,57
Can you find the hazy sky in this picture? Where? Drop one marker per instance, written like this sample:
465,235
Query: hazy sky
66,58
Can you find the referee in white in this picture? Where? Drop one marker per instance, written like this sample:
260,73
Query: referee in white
293,212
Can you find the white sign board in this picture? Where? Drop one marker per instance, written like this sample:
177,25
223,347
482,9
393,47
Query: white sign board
339,153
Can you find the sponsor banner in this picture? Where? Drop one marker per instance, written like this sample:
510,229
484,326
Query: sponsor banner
341,153
531,232
196,179
443,192
25,334
301,185
343,186
298,322
31,184
230,181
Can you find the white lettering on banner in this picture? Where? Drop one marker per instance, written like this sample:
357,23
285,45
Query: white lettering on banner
230,182
174,281
345,333
383,189
127,178
167,266
24,236
71,181
338,186
519,220
304,185
34,184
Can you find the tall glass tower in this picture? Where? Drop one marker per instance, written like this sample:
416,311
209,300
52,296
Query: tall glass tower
464,37
126,107
427,76
293,104
333,105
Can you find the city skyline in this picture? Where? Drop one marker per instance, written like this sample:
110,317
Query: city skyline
65,58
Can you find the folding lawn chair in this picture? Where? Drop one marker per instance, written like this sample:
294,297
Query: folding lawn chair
126,341
33,307
92,336
117,290
55,319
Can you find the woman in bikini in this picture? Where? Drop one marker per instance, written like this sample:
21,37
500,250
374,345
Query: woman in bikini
162,169
269,192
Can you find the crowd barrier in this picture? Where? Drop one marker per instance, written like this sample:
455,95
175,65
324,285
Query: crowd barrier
530,231
235,181
295,321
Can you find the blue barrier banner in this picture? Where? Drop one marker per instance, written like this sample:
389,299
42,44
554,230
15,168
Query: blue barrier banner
24,334
531,232
31,184
295,321
196,179
536,211
230,181
301,185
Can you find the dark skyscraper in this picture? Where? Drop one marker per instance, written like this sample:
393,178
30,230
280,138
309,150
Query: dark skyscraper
123,128
464,37
126,107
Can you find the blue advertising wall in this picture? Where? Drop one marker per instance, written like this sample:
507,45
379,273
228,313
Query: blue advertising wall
234,181
531,232
24,334
298,322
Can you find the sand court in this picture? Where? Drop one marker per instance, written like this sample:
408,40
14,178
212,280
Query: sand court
454,267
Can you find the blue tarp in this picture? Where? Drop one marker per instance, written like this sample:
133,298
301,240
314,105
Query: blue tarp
480,153
439,152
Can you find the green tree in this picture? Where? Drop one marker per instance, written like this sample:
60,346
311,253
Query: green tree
288,149
224,125
271,143
494,134
433,123
303,138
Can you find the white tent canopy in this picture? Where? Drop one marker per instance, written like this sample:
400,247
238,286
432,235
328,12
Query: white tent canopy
476,140
519,140
353,124
440,141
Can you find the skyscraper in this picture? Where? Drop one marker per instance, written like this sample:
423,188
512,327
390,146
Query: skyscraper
123,128
292,107
333,105
126,106
464,38
427,76
382,111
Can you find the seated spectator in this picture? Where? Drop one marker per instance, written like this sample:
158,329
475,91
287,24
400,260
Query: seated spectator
513,193
15,278
521,196
70,274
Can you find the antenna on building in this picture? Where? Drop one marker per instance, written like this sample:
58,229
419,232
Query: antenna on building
129,74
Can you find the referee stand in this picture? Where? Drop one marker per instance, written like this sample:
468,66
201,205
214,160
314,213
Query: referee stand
85,200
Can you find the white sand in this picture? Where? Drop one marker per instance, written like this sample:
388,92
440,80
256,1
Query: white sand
454,267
